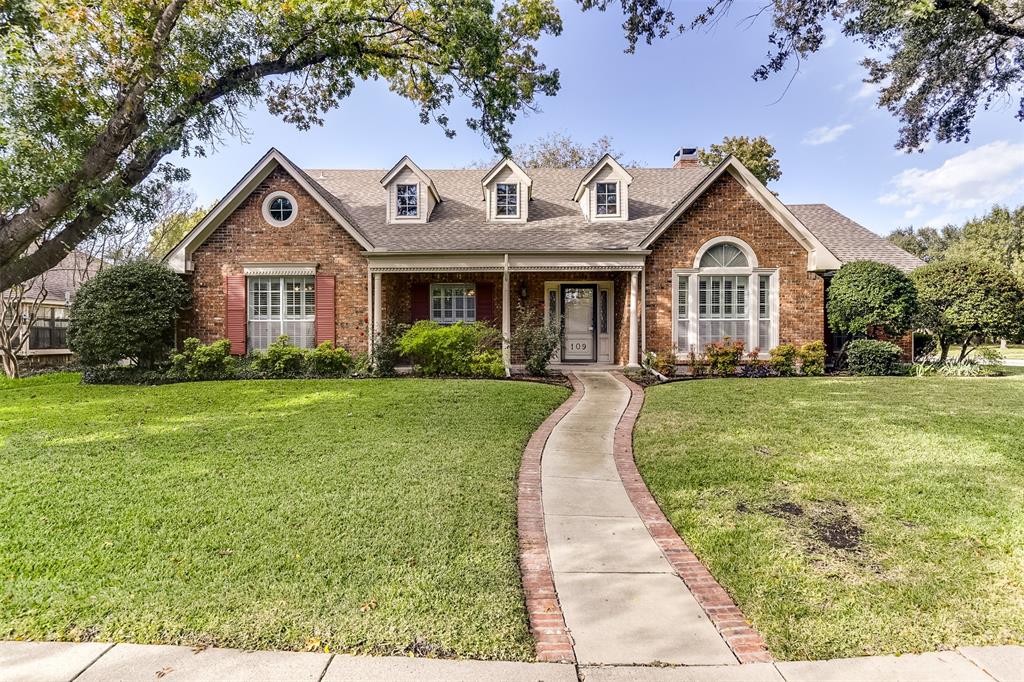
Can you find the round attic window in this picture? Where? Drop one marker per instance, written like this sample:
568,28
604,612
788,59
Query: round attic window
279,208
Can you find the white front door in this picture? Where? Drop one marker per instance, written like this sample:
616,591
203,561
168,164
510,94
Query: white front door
579,332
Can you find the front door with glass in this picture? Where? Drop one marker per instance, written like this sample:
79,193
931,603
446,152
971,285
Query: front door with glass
579,331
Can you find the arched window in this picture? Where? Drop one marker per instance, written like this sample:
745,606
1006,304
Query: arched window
723,255
725,295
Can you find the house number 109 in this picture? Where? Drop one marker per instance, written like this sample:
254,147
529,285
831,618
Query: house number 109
579,345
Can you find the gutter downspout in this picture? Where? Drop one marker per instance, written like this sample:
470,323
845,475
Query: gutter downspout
506,319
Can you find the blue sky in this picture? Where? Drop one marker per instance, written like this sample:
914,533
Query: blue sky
834,145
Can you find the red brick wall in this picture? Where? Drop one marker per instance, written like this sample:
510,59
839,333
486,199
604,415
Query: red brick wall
313,237
726,210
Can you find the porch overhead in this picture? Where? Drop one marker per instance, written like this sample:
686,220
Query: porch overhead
573,261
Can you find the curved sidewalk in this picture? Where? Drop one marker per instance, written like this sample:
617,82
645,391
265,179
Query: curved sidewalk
623,601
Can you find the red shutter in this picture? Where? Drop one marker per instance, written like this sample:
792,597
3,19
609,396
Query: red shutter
485,301
420,302
234,312
324,308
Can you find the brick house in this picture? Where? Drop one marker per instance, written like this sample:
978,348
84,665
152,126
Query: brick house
623,260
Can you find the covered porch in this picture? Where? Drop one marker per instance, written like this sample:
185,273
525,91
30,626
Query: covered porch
593,298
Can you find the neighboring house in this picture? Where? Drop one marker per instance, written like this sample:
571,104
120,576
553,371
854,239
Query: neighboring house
47,335
622,259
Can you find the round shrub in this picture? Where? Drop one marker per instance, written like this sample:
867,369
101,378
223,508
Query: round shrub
280,360
328,361
126,312
812,358
782,359
865,296
197,361
873,358
439,350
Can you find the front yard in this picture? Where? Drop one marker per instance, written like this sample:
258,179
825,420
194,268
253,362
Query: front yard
850,516
363,516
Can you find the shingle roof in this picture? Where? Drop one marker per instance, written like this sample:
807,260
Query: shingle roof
555,220
64,279
850,241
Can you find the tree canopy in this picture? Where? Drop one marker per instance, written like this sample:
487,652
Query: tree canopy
997,237
95,95
963,301
756,153
935,62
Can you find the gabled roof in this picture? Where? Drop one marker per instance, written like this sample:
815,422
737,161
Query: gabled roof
516,170
850,241
818,257
406,163
177,258
606,160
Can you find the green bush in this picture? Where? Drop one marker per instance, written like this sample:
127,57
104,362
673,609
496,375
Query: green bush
281,359
782,359
961,368
698,364
198,361
812,358
385,354
126,312
865,296
439,350
534,340
326,360
663,362
874,358
724,357
487,364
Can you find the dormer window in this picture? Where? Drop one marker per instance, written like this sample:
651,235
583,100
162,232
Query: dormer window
407,197
405,202
607,198
507,200
603,193
506,192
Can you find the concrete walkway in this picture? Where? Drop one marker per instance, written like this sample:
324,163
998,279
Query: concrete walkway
623,603
95,662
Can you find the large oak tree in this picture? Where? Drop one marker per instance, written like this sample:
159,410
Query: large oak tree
95,94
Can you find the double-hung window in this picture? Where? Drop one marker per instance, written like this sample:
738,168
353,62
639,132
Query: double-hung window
281,306
451,303
407,201
506,200
607,198
49,329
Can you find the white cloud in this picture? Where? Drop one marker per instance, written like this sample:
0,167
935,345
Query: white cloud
912,213
968,182
867,90
825,134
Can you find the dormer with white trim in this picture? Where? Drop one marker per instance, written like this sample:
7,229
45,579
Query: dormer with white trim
603,193
411,193
507,192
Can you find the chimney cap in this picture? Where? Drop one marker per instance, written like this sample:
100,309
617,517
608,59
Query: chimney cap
683,152
685,157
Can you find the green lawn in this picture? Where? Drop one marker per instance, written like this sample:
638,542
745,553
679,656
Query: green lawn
363,516
1014,351
850,516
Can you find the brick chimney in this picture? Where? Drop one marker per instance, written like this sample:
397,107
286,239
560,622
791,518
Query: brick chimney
685,157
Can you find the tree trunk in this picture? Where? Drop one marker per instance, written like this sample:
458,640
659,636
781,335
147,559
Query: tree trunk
944,353
11,365
964,350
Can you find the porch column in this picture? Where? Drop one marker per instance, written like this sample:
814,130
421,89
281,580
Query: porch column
369,310
634,327
378,323
506,319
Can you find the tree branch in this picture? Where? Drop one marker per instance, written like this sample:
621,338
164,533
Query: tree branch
989,18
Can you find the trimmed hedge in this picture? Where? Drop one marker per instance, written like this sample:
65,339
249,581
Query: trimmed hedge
873,358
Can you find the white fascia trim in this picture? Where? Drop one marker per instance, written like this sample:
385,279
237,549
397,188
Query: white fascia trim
499,262
516,169
406,162
274,269
606,160
178,258
819,258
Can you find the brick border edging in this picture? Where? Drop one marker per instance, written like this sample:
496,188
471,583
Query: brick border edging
552,642
746,643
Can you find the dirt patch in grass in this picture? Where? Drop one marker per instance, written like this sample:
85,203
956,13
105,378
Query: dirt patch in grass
824,524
